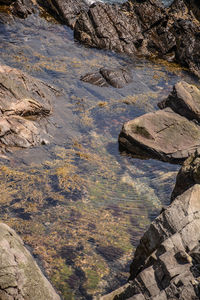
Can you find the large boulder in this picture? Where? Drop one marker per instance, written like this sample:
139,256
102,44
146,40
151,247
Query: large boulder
162,134
20,276
166,264
184,100
25,103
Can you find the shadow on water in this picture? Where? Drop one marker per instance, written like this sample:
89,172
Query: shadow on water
79,203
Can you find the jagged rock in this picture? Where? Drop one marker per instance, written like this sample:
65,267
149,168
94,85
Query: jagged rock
20,277
22,8
184,100
24,104
117,78
162,134
143,28
188,175
166,262
66,11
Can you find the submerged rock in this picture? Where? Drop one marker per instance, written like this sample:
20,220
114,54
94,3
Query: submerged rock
24,104
117,77
162,134
184,100
166,262
21,278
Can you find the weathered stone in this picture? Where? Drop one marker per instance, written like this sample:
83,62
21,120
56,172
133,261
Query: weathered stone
188,175
66,11
143,28
20,277
162,134
184,100
173,239
24,104
22,8
117,78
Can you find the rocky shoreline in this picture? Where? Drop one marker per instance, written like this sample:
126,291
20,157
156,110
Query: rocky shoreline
166,264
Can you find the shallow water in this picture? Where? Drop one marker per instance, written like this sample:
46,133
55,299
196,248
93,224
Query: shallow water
79,203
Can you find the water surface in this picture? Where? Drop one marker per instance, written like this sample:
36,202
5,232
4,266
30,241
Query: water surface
79,203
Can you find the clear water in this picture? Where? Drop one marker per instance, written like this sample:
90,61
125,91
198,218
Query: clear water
79,203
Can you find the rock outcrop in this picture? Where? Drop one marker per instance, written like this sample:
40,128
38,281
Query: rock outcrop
66,11
188,175
20,8
20,276
117,77
184,100
166,263
143,28
24,104
167,134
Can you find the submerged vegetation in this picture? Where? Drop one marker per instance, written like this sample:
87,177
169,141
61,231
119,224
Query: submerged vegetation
80,204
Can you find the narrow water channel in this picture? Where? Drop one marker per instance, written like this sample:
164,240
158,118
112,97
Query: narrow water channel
79,203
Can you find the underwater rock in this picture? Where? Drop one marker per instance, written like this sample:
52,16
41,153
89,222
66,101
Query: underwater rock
188,175
143,28
184,100
163,134
24,105
118,77
166,262
21,277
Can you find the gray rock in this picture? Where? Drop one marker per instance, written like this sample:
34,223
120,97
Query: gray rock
20,277
24,105
118,77
166,262
67,11
143,28
184,100
188,175
162,134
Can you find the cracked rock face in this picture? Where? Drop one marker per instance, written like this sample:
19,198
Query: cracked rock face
24,105
20,277
166,264
66,11
188,175
143,28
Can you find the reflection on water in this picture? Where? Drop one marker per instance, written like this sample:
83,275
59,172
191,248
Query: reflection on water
80,204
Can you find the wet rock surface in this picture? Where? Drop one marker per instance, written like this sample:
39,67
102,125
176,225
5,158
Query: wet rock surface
24,104
166,262
166,134
117,78
143,28
21,278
